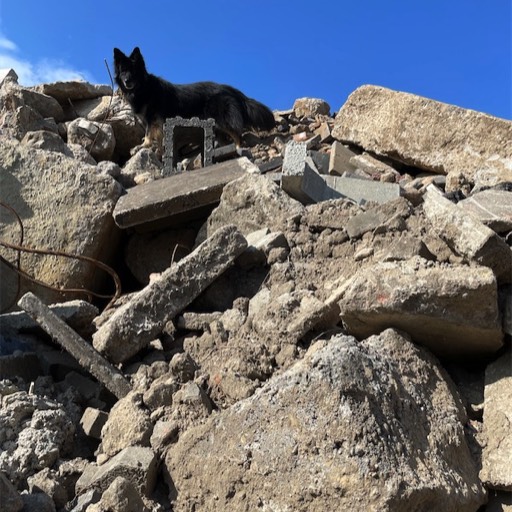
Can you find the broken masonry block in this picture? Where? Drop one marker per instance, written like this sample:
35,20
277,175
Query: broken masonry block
92,422
180,135
136,323
322,188
340,159
80,349
295,164
182,195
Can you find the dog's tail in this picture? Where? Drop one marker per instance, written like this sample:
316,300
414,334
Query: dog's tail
259,116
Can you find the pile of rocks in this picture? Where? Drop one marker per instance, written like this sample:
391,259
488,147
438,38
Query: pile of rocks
319,322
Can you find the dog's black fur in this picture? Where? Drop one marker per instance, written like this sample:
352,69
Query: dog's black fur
154,99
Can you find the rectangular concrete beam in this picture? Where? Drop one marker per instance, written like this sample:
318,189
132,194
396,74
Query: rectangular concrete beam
136,323
80,349
178,194
322,188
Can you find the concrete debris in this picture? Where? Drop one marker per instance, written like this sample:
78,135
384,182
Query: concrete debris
496,469
258,293
134,325
82,351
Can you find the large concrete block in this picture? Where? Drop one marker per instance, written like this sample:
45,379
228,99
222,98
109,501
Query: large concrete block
184,193
424,133
451,310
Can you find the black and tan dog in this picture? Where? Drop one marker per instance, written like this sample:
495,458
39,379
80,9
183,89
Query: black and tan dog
154,99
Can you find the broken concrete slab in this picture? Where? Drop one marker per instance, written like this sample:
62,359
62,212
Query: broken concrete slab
80,349
452,310
136,323
496,470
407,127
136,463
491,207
185,192
323,188
467,236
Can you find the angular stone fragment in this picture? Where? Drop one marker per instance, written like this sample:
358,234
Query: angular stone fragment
491,207
369,425
310,107
97,138
73,90
452,310
179,194
92,422
424,133
295,164
253,202
467,236
136,323
497,434
135,463
340,159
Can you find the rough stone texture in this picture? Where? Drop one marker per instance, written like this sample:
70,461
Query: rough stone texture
42,103
353,426
97,138
73,90
295,165
135,463
142,167
452,310
310,107
34,433
340,159
44,139
253,202
64,205
467,236
497,434
424,133
492,207
121,495
135,324
128,424
46,481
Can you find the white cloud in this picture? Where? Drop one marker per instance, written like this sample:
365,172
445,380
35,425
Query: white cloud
32,73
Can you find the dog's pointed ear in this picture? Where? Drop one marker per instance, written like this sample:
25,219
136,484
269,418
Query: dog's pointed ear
136,53
118,53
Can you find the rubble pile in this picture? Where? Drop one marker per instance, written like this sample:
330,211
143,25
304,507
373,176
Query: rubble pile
319,320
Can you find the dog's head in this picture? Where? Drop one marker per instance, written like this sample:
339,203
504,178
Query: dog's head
130,71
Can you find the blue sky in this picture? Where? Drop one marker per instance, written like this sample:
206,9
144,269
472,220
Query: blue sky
456,51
